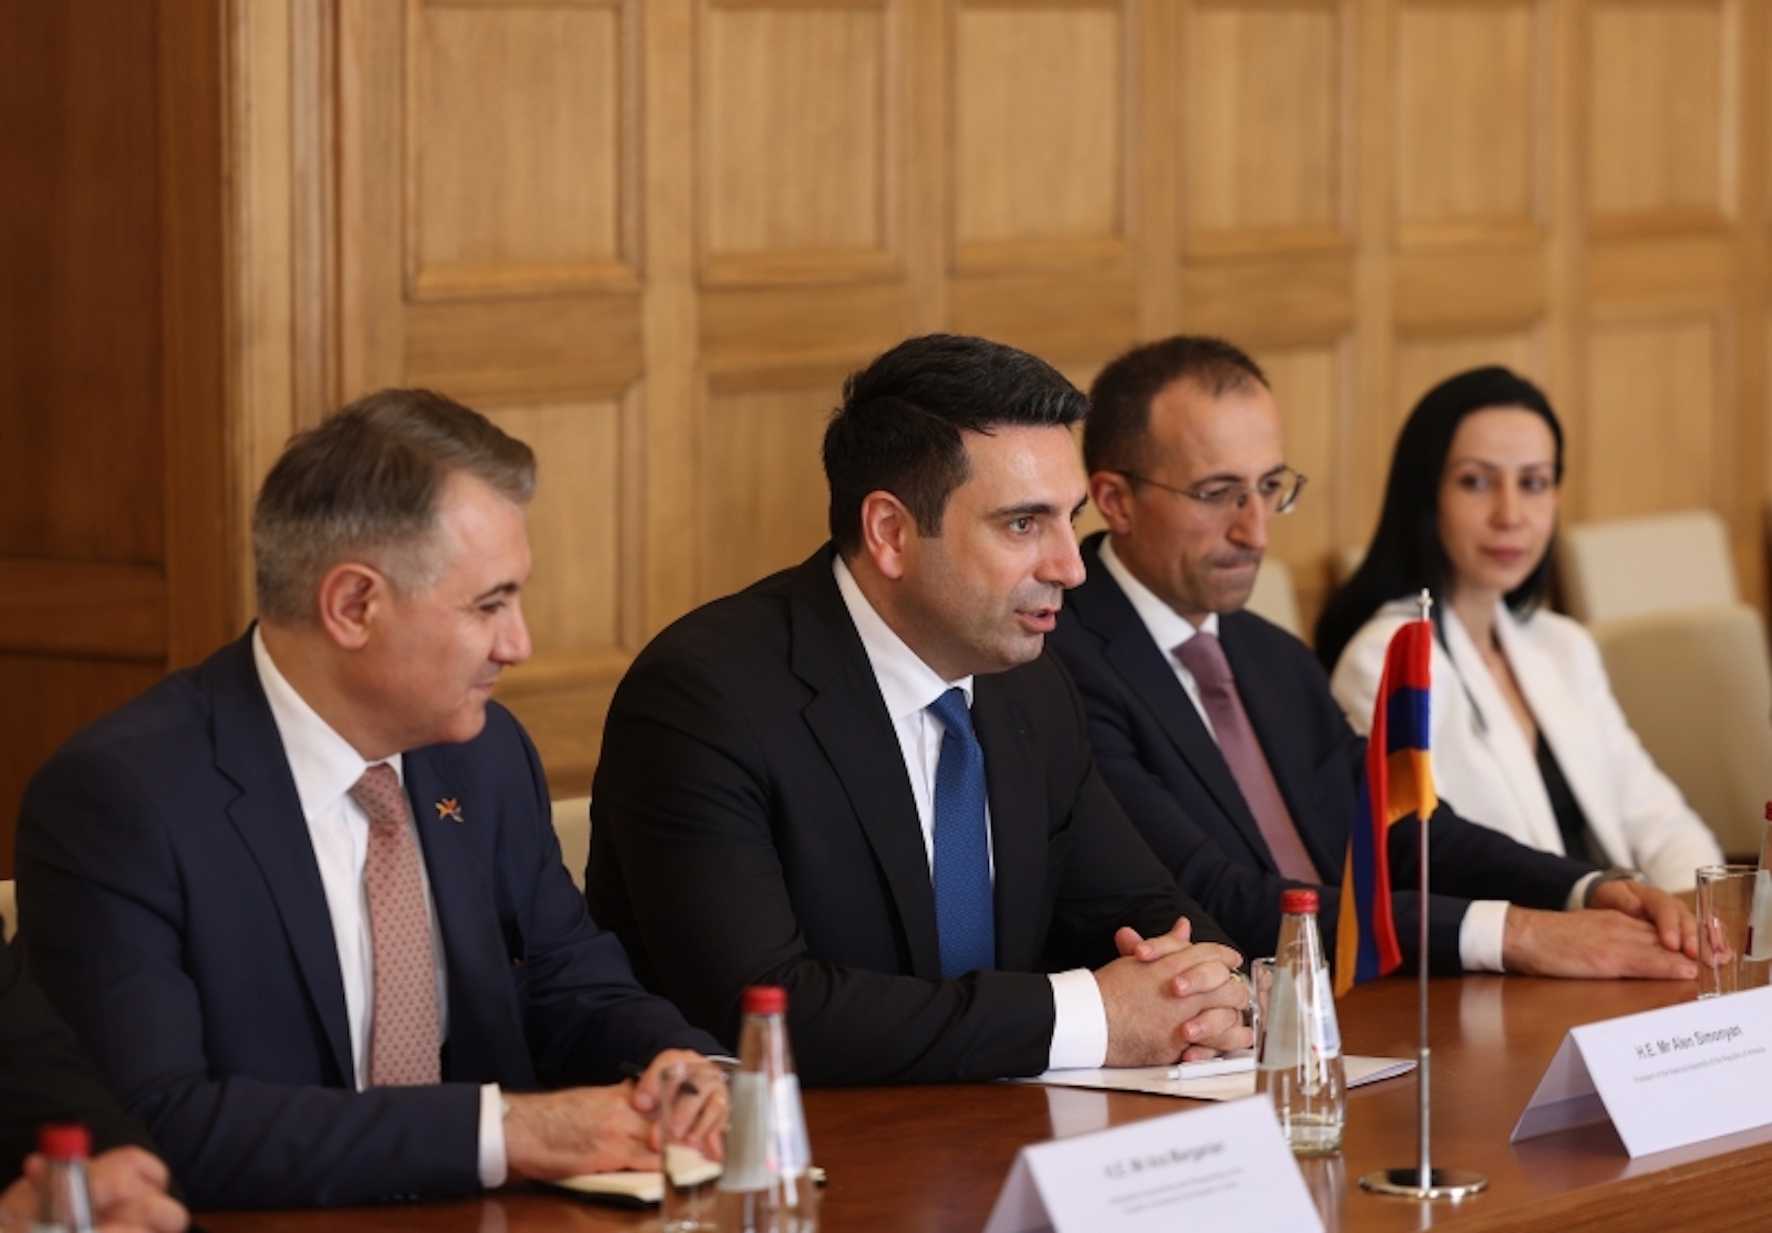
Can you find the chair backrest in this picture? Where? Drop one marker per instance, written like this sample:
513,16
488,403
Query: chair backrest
1275,598
9,909
1629,567
572,823
1697,687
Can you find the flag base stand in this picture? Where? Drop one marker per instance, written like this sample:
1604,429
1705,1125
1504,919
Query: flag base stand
1454,1184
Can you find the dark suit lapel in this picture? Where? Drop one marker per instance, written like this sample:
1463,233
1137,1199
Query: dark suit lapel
1018,823
268,816
1145,669
485,1031
1272,706
848,719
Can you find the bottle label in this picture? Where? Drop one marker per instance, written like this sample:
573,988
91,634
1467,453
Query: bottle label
766,1137
1301,1023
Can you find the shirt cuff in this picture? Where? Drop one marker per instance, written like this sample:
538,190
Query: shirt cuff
1480,935
494,1168
1079,1021
1578,892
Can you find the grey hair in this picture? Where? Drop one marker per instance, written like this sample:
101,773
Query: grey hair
364,484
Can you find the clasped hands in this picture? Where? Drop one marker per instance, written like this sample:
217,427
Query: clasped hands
128,1190
1169,997
601,1129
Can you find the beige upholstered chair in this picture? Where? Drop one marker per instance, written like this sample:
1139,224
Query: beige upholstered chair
1697,687
1628,567
1275,598
572,823
9,908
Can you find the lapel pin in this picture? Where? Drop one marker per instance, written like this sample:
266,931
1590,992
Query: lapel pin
449,808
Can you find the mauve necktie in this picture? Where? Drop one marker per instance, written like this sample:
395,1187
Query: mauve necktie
963,902
404,1032
1203,656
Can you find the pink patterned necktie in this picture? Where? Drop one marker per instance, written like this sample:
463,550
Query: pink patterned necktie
1203,656
404,1037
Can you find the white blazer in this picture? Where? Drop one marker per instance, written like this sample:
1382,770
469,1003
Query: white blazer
1484,766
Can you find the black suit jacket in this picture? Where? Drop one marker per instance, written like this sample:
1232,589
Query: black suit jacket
753,823
1169,774
44,1076
174,913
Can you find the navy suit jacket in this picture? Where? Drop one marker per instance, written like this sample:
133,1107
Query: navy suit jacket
45,1077
754,823
1169,774
173,911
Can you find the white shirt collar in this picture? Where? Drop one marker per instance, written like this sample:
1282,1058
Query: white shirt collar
907,683
324,764
1168,627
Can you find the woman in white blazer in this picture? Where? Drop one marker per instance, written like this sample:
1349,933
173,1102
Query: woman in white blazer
1527,736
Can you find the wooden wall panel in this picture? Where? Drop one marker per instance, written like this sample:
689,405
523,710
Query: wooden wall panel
652,237
1264,125
78,337
766,503
1040,135
794,144
1310,387
1661,101
1655,401
573,600
118,555
516,148
1470,123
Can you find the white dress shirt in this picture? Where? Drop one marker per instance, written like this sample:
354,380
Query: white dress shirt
909,686
325,766
1479,933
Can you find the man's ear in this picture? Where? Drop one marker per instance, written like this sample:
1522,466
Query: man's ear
888,532
352,597
1112,494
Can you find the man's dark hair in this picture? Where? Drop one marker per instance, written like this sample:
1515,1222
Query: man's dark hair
365,482
1120,400
899,427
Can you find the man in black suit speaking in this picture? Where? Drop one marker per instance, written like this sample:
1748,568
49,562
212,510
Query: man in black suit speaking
862,779
303,902
1217,731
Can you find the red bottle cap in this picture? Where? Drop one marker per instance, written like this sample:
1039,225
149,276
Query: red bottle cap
765,1000
67,1142
1298,902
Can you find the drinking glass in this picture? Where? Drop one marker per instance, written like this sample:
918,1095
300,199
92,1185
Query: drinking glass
690,1181
1724,909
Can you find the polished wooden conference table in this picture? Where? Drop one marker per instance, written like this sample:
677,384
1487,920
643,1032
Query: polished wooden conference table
933,1158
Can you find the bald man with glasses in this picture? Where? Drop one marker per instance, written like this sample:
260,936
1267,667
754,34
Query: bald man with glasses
1216,729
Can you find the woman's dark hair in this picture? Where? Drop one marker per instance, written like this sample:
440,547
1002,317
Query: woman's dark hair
1406,554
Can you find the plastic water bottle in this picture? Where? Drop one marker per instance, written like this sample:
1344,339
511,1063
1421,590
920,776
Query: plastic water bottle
766,1185
66,1205
1299,1065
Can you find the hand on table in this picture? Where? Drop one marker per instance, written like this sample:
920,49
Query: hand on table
128,1190
1673,920
1593,943
602,1129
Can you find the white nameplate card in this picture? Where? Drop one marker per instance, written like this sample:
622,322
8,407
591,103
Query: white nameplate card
1663,1078
1226,1166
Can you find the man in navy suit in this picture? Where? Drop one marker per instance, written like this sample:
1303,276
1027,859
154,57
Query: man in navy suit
304,902
1217,731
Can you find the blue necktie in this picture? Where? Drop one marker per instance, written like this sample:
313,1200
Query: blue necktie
963,904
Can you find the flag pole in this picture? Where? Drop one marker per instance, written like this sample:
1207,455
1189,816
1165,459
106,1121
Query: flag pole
1423,1181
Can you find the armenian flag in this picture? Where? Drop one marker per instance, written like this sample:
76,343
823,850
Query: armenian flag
1399,784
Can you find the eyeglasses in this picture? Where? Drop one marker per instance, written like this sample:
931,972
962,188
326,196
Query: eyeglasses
1278,490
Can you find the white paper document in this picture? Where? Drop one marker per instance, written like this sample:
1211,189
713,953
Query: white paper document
1663,1078
1224,1167
1230,1078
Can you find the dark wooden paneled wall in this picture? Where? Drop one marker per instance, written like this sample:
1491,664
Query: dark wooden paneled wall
114,561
